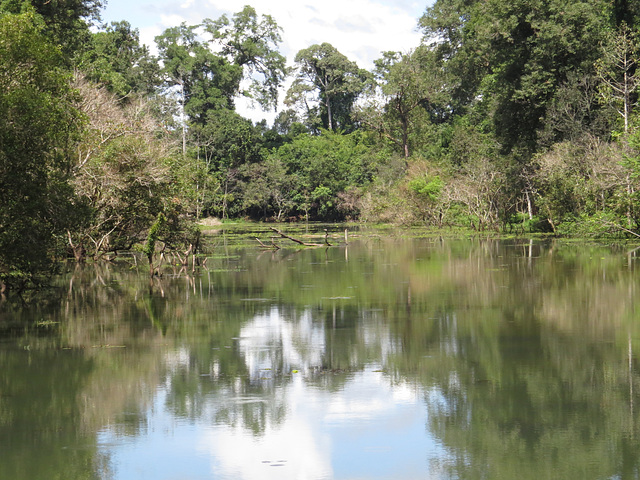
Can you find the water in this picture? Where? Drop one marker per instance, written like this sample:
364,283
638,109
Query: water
390,358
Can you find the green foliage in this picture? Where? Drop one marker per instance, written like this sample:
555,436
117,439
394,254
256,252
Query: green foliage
325,87
413,90
246,48
252,44
325,166
153,236
116,59
504,114
268,189
38,124
511,57
65,23
428,188
227,141
205,81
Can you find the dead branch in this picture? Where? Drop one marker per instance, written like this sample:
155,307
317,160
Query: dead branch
263,245
621,228
300,242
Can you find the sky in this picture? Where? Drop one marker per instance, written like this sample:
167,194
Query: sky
360,29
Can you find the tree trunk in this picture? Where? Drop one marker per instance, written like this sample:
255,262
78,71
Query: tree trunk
182,119
329,115
405,137
529,206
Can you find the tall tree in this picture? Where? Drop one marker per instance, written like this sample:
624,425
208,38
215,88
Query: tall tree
410,86
209,72
206,81
38,123
618,72
252,44
329,80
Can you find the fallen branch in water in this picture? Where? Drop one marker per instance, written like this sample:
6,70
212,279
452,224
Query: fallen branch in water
620,227
269,247
300,242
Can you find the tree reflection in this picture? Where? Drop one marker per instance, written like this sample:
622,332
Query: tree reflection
525,352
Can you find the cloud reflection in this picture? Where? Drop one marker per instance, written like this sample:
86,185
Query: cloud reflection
290,419
367,417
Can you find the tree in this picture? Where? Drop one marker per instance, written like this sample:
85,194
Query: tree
409,88
206,81
618,72
328,79
324,166
66,22
252,44
268,188
124,175
38,125
116,59
210,78
510,58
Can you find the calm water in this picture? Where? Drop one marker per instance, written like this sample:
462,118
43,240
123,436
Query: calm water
391,358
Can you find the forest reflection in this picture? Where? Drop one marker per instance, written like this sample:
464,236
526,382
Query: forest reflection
455,358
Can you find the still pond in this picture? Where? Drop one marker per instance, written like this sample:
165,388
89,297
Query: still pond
392,357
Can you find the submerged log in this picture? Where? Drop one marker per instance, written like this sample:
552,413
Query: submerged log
298,241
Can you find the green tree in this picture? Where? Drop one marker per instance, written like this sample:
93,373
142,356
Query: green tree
245,48
116,59
252,44
325,166
205,81
222,146
66,22
39,122
510,57
618,72
268,189
326,86
412,86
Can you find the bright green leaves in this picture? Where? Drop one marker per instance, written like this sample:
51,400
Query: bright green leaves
428,188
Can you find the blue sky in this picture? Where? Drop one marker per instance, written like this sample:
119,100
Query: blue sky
360,29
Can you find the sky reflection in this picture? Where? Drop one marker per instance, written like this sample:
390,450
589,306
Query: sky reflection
366,425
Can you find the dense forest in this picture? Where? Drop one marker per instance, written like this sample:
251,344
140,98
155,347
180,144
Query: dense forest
516,115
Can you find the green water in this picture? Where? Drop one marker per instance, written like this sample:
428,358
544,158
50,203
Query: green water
389,358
